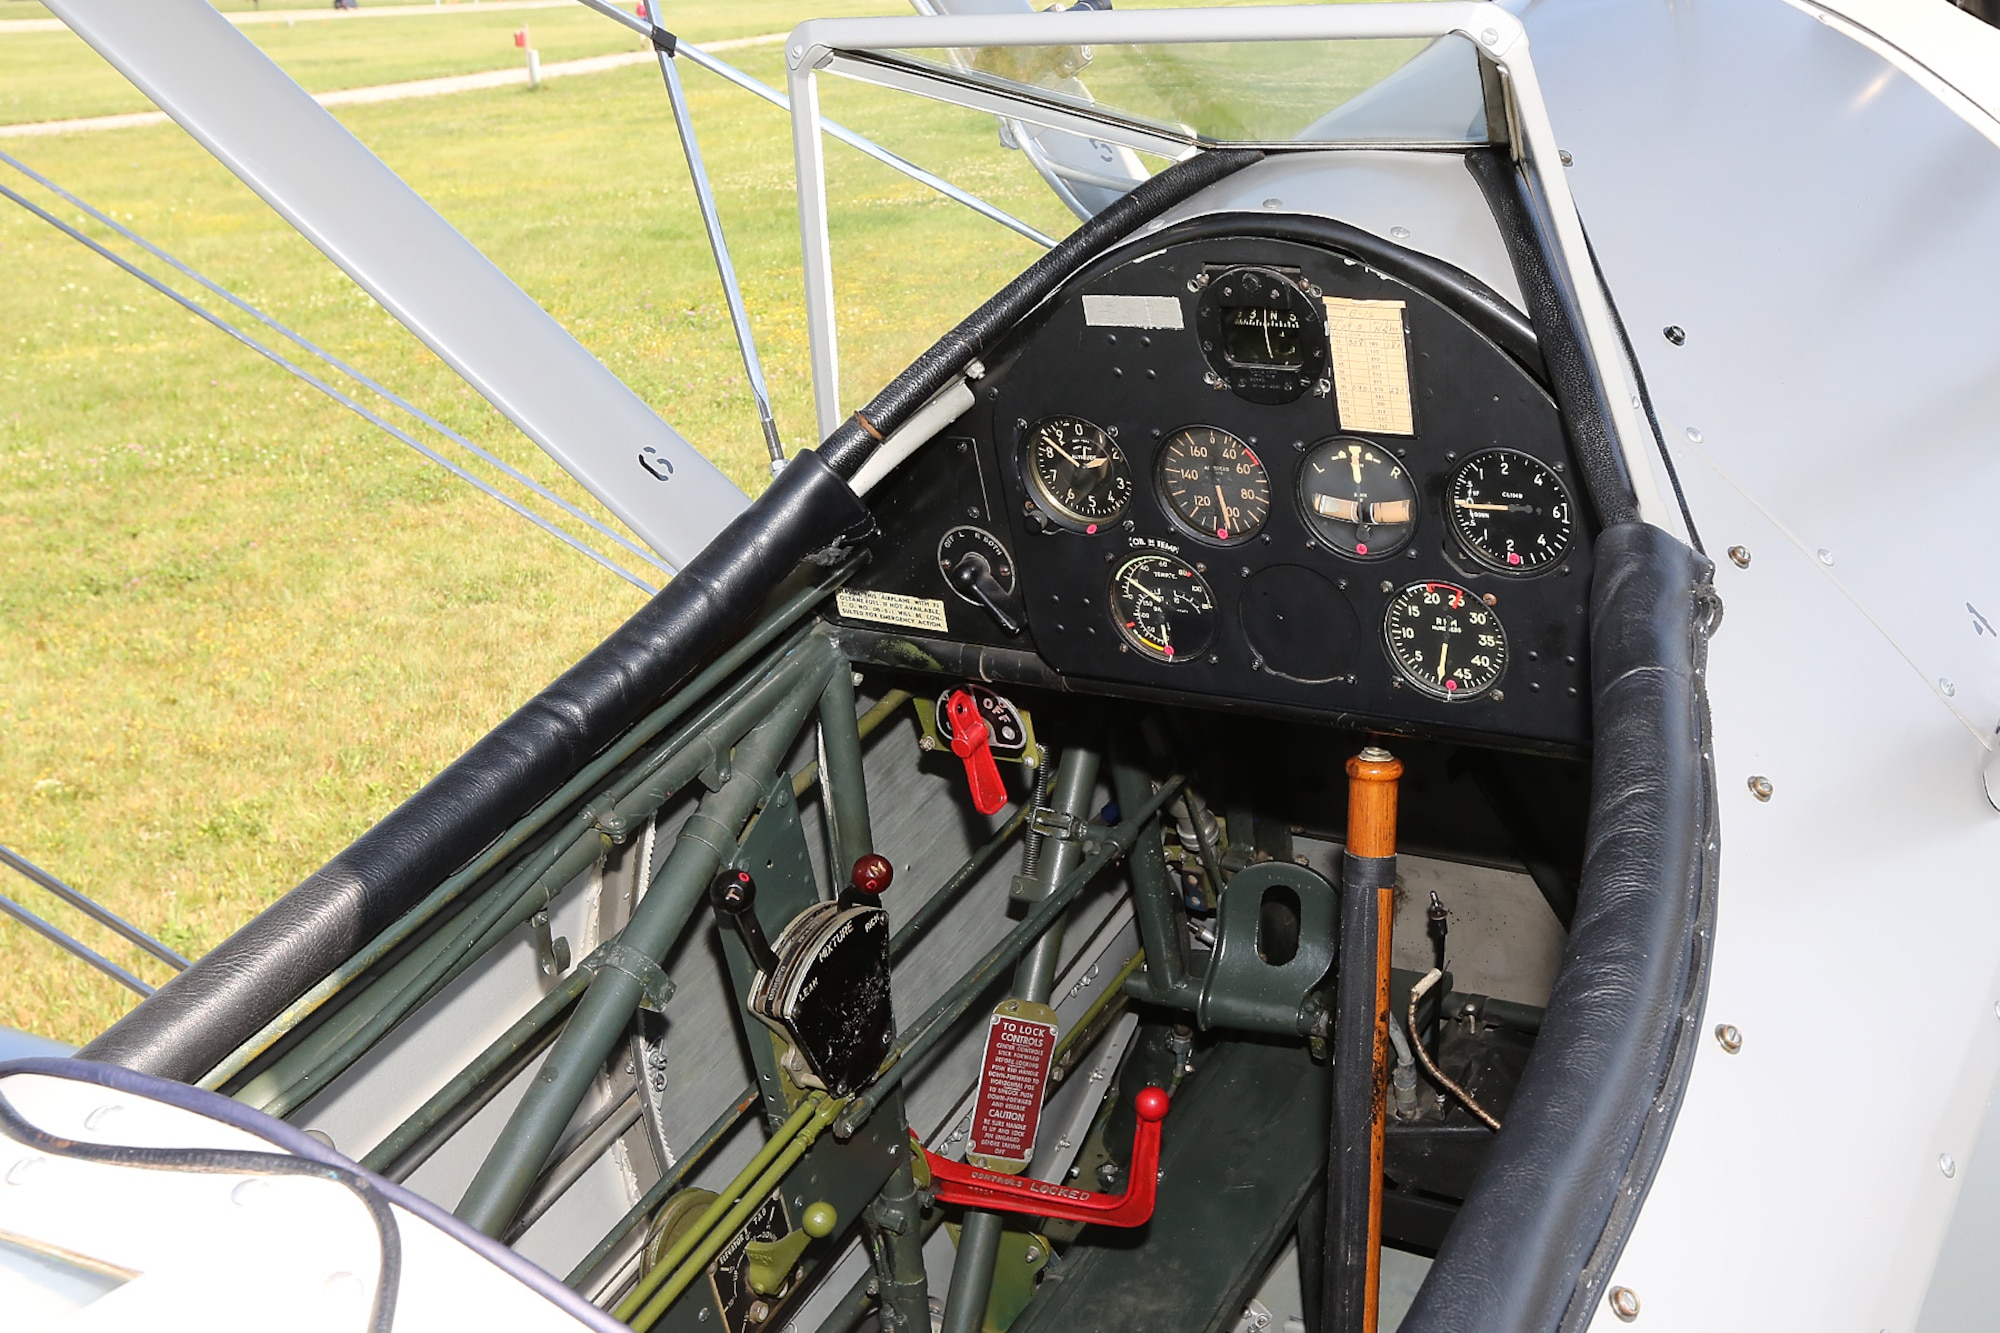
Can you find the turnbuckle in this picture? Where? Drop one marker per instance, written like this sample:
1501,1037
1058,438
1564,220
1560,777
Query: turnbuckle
974,1187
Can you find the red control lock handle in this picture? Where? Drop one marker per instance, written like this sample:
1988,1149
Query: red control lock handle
956,1182
972,742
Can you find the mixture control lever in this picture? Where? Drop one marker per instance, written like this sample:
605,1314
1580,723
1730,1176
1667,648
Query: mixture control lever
973,576
960,1183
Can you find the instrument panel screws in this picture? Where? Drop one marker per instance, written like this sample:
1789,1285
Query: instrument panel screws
1948,688
1825,556
1490,599
926,743
1740,556
1946,1165
1675,334
1760,786
1729,1037
1388,586
1624,1303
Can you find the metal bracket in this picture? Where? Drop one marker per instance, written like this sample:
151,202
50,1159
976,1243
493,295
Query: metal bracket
655,986
1243,989
1050,822
552,953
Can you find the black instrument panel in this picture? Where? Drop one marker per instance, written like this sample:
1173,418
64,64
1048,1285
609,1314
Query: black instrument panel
1259,472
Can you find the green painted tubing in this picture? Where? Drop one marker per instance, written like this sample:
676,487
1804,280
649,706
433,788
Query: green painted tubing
948,893
515,837
1034,977
705,843
1160,929
732,1221
469,1080
846,806
780,1139
669,1181
461,1115
939,1019
496,915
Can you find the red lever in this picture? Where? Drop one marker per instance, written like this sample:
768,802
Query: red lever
955,1182
972,742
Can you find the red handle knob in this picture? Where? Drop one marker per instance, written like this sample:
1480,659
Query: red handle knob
971,741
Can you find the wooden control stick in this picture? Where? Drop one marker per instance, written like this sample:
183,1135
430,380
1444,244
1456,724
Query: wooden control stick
1353,1272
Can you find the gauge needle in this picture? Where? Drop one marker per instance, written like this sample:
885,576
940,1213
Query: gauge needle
1144,591
1354,459
1491,509
1228,519
1067,455
1443,649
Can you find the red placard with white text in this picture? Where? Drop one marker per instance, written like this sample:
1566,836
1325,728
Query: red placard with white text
1020,1045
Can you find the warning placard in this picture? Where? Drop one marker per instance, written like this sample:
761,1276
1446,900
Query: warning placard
1019,1047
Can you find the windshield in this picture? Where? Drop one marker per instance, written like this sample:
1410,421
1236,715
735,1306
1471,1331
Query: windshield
1240,93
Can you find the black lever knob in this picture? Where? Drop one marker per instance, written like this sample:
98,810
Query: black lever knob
733,894
973,576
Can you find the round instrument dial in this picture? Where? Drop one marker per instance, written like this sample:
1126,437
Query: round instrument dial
1077,471
1163,607
1445,640
1357,497
1214,484
1510,511
1263,335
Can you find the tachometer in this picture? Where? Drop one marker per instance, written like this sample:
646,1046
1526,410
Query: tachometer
1214,484
1077,471
1357,497
1510,511
1445,641
1163,607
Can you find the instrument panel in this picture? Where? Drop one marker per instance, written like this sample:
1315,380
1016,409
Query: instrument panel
1255,471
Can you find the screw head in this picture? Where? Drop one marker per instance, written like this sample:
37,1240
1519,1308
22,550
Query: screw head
1825,556
1760,786
1947,687
1740,556
1729,1037
1566,159
1947,1165
1694,434
1675,334
1624,1303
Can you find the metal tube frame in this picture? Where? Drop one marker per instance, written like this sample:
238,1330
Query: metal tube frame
1496,34
732,293
104,916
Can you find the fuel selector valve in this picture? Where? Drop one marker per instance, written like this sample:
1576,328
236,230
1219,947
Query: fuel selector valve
972,741
973,1187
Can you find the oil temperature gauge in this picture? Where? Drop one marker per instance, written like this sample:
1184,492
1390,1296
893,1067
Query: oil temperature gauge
1357,497
1163,607
1445,641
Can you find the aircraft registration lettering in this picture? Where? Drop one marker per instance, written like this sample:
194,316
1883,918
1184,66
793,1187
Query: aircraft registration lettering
892,608
1371,365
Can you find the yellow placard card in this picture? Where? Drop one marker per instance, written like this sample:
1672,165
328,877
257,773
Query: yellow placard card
1371,365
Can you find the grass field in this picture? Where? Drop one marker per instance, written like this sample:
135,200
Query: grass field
238,624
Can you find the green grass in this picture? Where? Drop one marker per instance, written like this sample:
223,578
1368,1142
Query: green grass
237,624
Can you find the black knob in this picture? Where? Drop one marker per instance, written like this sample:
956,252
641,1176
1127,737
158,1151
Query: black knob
733,894
973,576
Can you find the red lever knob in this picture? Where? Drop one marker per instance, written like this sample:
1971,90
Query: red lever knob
956,1182
872,873
972,742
